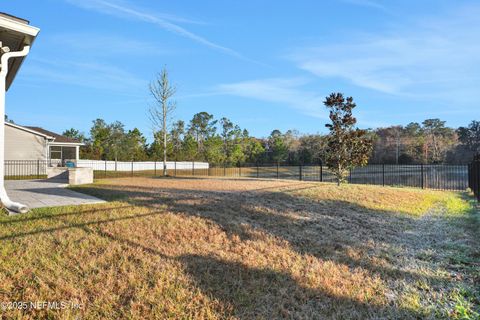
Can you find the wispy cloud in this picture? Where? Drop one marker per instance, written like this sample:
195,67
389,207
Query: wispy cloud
166,22
87,44
367,3
94,61
432,57
285,91
86,74
290,92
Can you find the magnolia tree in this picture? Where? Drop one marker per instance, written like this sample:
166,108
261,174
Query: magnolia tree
347,146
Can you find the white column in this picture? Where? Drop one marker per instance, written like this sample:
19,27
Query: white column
77,154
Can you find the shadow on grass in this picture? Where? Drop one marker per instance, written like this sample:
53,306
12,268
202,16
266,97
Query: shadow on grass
252,293
45,216
324,229
78,225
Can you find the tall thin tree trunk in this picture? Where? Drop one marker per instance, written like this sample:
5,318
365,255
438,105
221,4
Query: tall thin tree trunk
164,140
162,92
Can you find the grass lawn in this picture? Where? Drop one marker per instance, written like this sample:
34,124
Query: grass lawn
246,249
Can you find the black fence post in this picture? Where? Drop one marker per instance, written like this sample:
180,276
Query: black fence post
277,171
383,174
474,177
477,179
350,175
321,172
132,169
300,172
193,168
224,169
470,176
105,168
155,168
422,179
257,171
175,170
239,169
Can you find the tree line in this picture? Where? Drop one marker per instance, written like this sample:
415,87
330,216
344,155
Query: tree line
429,142
203,138
220,141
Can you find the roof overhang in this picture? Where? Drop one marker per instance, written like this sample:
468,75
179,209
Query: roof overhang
66,144
50,139
16,126
15,33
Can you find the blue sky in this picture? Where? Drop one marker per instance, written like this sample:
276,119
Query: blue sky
264,64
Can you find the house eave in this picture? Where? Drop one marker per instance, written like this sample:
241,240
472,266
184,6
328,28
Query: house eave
53,143
24,34
20,27
50,139
13,125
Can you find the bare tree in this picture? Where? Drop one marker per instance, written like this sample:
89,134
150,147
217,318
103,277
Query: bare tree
160,113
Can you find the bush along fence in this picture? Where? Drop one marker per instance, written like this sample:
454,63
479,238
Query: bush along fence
474,176
442,177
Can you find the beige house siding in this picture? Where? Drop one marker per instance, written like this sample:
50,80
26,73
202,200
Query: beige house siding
22,145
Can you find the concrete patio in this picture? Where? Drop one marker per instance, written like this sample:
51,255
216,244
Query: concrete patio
46,193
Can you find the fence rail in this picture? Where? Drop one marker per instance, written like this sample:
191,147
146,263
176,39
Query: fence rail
442,177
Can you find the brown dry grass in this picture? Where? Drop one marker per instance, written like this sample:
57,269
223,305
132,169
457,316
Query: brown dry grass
240,248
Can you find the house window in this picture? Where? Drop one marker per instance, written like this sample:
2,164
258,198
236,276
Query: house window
69,153
56,152
62,153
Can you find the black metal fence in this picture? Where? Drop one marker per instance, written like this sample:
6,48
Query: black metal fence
26,169
441,177
474,176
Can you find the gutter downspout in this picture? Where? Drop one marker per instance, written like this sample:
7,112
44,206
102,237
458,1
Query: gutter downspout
9,204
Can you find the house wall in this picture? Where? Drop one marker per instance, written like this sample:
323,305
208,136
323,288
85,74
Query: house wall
22,145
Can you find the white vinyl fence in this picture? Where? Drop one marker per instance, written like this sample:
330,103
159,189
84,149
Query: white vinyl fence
140,165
